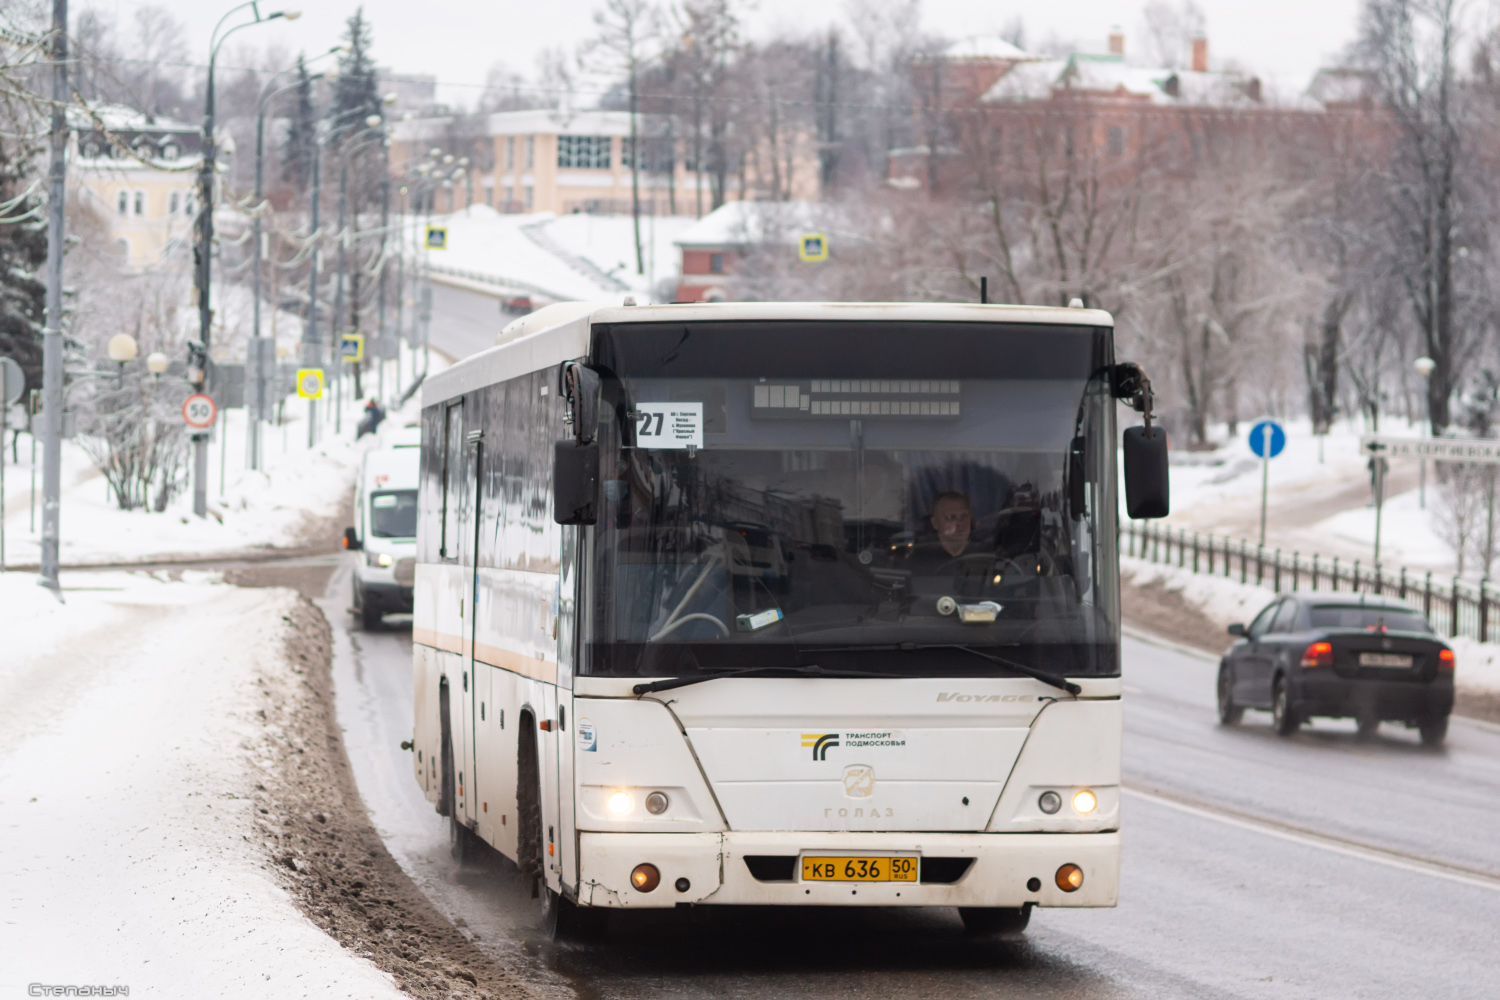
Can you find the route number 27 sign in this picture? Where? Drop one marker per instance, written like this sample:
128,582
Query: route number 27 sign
199,411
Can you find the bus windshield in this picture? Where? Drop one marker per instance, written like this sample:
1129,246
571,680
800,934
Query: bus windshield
883,497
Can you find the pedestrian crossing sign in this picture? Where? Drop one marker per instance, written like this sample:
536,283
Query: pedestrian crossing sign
437,238
352,348
813,248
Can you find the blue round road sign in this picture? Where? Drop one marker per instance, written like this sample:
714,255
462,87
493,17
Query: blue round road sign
1258,439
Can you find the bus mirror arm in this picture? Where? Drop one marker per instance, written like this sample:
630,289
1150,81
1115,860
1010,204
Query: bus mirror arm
1148,489
581,385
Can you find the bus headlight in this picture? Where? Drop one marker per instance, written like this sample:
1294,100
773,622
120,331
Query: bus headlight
1085,801
656,803
380,559
1049,802
620,803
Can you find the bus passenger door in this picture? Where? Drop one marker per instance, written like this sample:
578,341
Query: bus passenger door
576,736
469,521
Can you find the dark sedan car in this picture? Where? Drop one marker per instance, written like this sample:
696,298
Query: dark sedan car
1356,656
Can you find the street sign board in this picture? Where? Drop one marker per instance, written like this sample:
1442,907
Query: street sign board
813,248
352,348
310,383
1481,451
227,385
437,238
12,381
1267,434
199,411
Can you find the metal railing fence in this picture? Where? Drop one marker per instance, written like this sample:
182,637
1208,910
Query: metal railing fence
1455,607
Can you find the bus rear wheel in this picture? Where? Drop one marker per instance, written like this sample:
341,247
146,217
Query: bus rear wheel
995,921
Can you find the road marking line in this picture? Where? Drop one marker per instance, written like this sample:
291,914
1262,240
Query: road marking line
1335,845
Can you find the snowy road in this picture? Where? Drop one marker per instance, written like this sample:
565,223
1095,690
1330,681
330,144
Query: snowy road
1387,849
129,754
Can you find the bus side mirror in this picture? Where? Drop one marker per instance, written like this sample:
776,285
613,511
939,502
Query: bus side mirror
575,482
1147,488
351,540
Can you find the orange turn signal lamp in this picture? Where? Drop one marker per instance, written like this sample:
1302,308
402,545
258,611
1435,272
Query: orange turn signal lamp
645,877
1069,878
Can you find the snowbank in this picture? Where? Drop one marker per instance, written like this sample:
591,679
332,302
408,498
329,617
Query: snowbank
130,754
267,509
1227,600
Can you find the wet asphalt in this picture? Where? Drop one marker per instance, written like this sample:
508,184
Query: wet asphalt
1254,866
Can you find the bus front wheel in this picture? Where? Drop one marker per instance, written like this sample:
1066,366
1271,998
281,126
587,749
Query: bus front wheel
995,921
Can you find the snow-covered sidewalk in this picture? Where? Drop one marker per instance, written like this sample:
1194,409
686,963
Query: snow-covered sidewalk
130,752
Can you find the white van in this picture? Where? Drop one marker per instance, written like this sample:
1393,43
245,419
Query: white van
385,530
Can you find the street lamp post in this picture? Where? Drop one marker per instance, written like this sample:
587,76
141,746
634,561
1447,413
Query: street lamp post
258,366
1425,367
206,171
371,121
312,346
52,345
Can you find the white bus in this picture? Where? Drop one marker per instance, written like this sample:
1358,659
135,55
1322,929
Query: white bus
789,604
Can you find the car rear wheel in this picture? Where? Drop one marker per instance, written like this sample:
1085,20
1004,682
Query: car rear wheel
1230,714
1283,712
995,921
1434,731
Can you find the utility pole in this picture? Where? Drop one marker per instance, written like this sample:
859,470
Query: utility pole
311,346
338,301
52,348
385,239
203,275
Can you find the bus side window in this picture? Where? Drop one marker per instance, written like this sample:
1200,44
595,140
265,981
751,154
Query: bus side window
453,470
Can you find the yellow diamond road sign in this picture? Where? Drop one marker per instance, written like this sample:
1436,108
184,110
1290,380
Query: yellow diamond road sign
813,248
352,348
437,238
310,383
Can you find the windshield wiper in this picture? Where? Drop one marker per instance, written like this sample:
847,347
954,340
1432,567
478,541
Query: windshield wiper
909,647
1020,668
809,670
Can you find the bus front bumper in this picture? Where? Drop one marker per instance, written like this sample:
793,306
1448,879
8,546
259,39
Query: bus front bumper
711,868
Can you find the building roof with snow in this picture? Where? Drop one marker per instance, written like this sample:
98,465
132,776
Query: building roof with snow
985,47
744,223
541,121
1110,77
125,136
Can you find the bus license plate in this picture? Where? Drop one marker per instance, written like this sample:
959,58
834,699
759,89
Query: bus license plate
1396,660
847,869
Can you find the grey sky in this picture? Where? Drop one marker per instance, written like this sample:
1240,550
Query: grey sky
458,40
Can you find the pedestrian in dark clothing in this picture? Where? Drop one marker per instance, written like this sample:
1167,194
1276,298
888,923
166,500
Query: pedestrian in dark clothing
370,422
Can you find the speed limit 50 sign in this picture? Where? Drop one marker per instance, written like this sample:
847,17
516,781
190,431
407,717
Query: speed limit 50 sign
310,383
199,411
